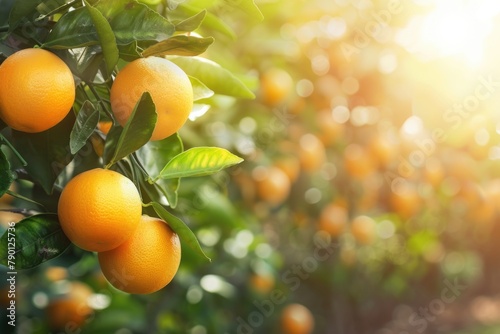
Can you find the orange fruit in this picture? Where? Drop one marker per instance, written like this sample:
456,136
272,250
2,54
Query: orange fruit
434,172
290,165
70,310
275,86
383,150
273,185
363,229
297,319
7,216
105,126
406,202
170,89
146,262
56,273
329,130
348,256
6,198
99,209
312,154
333,219
37,90
357,161
262,282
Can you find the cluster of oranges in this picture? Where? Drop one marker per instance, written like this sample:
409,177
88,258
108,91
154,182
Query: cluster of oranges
100,210
37,91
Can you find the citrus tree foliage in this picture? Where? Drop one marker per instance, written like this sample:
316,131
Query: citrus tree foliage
96,39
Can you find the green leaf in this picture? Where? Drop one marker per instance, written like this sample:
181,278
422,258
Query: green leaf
74,29
172,4
120,142
211,21
184,232
154,156
133,21
192,23
218,79
130,51
200,91
26,11
180,45
35,239
86,122
130,21
199,161
199,109
21,10
47,153
6,175
87,62
247,6
106,38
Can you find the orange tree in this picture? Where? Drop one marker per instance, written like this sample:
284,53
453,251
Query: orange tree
408,178
51,136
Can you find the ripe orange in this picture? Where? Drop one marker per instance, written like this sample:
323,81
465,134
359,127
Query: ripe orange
363,229
273,185
329,130
6,198
6,217
55,273
297,319
406,202
262,283
146,262
275,85
312,153
383,150
105,126
289,164
70,310
357,161
333,219
168,85
37,90
99,209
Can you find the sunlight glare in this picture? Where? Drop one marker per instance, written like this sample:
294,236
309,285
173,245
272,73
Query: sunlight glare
456,28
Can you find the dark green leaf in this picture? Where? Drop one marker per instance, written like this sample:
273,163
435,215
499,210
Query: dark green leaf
199,161
180,45
218,79
130,51
74,29
120,142
185,234
86,122
133,21
35,239
21,10
130,21
200,91
47,153
6,175
106,38
87,61
154,156
192,23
